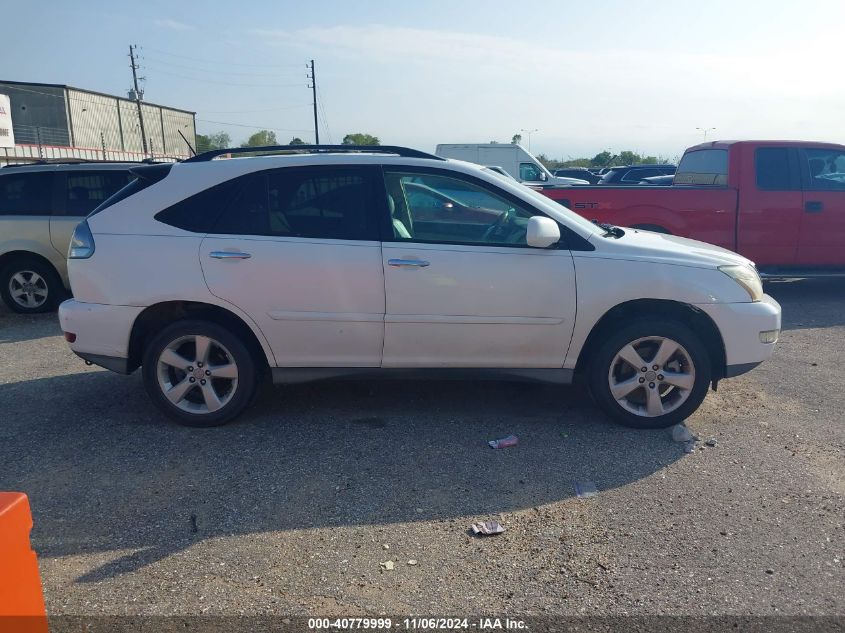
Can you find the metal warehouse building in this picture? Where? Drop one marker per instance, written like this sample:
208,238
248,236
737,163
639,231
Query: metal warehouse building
58,121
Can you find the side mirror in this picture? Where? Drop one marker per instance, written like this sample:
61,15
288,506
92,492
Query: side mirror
542,232
543,176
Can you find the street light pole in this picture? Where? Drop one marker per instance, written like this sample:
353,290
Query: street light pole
529,132
705,130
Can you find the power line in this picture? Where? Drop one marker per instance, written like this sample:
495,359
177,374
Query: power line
224,83
301,105
257,127
215,71
325,118
210,61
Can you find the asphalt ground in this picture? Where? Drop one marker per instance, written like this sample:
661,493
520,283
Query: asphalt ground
292,509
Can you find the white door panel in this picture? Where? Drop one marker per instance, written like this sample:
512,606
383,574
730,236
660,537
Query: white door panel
319,302
477,306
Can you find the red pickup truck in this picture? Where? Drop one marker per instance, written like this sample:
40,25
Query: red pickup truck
779,203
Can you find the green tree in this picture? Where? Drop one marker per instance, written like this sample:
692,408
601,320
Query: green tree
602,159
517,139
297,141
206,142
361,139
628,157
260,139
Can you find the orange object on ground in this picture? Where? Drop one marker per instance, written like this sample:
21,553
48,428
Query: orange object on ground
21,601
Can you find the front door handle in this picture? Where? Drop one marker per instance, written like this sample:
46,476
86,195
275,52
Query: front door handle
418,263
813,206
229,255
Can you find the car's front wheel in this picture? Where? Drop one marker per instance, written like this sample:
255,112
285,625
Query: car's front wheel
199,373
650,373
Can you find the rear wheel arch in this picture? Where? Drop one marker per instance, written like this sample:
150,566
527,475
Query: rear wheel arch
12,256
699,322
158,316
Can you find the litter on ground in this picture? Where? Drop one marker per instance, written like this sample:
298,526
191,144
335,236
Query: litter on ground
487,528
510,440
585,489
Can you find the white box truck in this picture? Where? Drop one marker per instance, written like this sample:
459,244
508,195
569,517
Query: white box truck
514,159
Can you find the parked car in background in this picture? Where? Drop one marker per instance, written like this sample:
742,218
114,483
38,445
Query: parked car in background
40,206
501,171
514,159
348,260
662,181
581,173
778,203
633,174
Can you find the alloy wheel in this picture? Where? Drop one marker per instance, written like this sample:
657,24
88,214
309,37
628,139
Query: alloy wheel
197,374
651,376
28,289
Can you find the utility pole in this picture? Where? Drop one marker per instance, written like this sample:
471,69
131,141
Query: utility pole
313,87
134,68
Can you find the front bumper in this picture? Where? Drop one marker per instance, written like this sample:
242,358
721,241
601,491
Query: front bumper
740,325
102,331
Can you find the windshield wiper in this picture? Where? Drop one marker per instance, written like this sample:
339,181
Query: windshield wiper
609,229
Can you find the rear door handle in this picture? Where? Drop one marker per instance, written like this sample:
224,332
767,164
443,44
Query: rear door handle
229,255
813,206
417,263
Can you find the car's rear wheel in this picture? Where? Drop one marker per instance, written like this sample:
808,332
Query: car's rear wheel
650,374
199,373
30,286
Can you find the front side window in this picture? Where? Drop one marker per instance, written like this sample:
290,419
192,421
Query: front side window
530,171
427,207
25,194
703,167
826,169
87,190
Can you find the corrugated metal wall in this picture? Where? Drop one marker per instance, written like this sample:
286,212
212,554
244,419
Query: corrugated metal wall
37,112
58,117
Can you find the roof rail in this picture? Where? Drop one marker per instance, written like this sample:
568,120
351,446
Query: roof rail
79,161
405,152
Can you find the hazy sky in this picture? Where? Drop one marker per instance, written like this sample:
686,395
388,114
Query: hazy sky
588,75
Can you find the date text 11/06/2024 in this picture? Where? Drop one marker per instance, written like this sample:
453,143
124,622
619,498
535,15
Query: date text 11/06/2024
480,624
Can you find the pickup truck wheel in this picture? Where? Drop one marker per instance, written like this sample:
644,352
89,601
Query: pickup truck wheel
199,373
29,286
650,374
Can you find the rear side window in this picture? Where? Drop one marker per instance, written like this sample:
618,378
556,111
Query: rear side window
703,167
775,171
323,203
26,194
199,213
86,190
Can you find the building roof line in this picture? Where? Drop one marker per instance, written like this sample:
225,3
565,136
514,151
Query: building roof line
93,92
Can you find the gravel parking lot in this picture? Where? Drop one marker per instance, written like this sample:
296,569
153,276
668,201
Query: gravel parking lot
291,509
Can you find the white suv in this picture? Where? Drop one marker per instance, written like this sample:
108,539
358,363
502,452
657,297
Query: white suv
328,262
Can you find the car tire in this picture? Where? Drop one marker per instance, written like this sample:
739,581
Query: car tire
641,396
30,286
199,373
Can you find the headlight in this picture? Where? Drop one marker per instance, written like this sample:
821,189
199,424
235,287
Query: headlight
746,277
82,242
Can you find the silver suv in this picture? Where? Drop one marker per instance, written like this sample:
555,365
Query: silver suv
40,206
